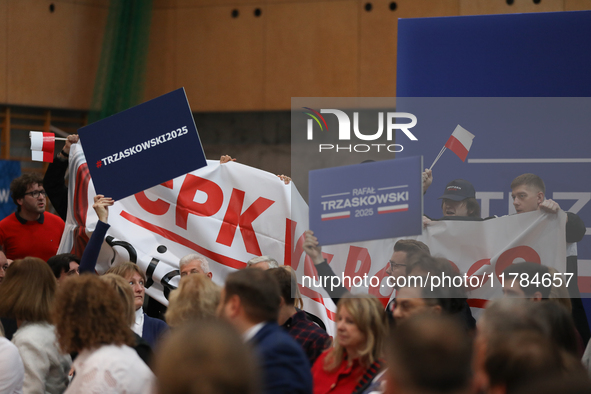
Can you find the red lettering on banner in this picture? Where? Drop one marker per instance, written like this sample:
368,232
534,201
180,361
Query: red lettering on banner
80,209
290,227
475,267
509,255
356,254
375,290
313,295
292,257
158,207
454,267
186,205
234,219
172,236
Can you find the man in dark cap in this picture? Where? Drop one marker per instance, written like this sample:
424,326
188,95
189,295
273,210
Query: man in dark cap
459,199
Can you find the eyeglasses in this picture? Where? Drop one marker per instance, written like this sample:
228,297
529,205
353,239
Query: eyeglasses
36,193
395,265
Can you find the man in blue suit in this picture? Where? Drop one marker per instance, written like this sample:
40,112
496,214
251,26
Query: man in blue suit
250,302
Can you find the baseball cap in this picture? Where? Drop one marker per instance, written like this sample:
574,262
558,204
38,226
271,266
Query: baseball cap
458,190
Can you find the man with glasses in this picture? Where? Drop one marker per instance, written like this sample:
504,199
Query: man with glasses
396,264
30,231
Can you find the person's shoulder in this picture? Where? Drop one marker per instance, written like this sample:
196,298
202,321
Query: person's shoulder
302,321
6,224
278,348
50,217
153,320
114,352
7,348
37,333
319,363
272,334
117,358
8,219
156,323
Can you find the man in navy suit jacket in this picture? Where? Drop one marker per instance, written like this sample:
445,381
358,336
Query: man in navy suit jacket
250,302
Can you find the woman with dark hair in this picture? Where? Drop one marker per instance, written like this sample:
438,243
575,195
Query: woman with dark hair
27,295
92,320
355,358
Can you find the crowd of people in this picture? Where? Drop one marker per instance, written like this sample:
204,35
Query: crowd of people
67,329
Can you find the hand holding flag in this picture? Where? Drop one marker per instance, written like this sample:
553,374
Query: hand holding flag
43,145
459,143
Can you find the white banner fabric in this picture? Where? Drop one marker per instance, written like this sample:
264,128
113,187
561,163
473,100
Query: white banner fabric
231,213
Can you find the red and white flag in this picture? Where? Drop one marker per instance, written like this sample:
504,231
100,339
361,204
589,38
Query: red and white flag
460,142
42,146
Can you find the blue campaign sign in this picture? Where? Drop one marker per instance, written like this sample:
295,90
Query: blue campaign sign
366,201
477,71
143,146
8,171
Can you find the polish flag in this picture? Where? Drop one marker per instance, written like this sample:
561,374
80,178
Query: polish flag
460,142
42,146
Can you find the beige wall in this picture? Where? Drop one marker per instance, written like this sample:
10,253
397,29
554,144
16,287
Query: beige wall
49,59
294,48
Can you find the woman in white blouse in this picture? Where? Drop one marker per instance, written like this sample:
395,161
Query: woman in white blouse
27,295
90,319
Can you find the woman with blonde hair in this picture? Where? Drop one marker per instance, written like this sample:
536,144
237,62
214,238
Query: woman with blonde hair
355,358
91,320
197,297
27,295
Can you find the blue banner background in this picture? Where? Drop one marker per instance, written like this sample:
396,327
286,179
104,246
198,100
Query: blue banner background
502,56
8,171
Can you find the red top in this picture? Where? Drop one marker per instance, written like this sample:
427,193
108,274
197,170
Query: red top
37,238
344,379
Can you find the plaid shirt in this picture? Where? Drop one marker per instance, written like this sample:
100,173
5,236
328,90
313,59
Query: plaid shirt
313,339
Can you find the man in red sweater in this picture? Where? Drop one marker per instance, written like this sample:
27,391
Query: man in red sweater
30,231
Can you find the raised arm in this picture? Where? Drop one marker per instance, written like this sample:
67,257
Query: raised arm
314,251
91,252
427,179
53,181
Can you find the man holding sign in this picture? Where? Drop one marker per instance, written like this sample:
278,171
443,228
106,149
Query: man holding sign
528,192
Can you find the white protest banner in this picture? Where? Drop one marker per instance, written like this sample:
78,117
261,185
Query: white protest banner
484,249
480,250
231,213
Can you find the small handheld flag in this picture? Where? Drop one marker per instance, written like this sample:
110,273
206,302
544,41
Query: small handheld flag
459,143
42,145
